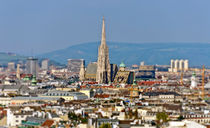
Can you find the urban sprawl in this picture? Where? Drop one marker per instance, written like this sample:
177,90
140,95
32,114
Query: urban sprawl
37,94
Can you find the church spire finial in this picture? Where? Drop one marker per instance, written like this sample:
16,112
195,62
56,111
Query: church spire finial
103,37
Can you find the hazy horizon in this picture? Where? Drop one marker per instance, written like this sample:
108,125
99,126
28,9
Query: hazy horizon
35,27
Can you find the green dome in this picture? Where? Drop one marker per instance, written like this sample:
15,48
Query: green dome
33,81
122,65
26,78
194,74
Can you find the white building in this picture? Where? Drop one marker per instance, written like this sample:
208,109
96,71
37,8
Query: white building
193,81
185,124
179,65
45,64
16,115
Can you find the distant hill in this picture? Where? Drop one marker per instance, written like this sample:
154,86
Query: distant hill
133,53
10,57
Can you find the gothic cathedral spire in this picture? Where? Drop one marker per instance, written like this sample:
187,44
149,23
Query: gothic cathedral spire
103,65
82,71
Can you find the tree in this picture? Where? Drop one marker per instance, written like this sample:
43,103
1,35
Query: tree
105,125
180,118
77,118
84,120
72,116
126,115
61,100
161,118
136,116
130,113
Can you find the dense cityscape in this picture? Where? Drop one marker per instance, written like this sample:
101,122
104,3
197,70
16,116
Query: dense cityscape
36,93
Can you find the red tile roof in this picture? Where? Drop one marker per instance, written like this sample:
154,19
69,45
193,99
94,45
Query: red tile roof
48,123
150,82
101,96
24,75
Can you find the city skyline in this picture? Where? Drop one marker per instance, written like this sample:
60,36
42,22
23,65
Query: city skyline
37,27
104,64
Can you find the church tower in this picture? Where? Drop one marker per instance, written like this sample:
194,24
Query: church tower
82,72
103,65
18,71
193,81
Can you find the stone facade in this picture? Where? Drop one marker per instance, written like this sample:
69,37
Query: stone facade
74,65
82,72
103,65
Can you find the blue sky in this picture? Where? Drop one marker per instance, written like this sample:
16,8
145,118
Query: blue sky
39,26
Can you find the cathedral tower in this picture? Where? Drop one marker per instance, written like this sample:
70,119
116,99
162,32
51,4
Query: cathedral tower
103,65
82,72
18,71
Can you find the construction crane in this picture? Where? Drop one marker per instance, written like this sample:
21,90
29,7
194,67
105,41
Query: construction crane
202,90
181,78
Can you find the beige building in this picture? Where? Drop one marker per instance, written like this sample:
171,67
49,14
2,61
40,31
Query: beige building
123,76
11,66
5,100
28,100
65,95
90,73
74,65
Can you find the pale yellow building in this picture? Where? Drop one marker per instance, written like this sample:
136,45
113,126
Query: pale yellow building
87,92
68,96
